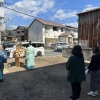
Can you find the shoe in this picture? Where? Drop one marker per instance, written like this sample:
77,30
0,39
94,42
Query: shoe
96,92
91,93
1,80
70,97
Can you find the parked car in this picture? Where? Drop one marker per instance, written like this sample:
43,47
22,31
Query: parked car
9,45
39,49
59,45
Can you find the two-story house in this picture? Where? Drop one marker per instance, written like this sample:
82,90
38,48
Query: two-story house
73,31
23,32
45,31
70,36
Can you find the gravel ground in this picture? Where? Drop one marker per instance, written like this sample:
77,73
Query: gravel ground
46,82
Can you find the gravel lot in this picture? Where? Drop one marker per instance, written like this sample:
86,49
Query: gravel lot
46,82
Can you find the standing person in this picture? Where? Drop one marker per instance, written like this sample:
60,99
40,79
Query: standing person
94,68
4,51
99,69
99,78
30,55
76,72
3,58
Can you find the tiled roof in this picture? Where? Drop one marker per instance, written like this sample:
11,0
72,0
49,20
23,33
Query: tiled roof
71,27
50,23
22,27
12,33
66,34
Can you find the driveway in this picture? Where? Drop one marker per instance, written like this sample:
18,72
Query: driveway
52,53
46,82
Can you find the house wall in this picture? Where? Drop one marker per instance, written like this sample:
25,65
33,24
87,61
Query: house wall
89,28
1,13
65,39
26,35
75,32
50,36
35,32
53,34
38,33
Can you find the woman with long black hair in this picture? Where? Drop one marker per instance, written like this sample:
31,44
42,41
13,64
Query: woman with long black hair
76,72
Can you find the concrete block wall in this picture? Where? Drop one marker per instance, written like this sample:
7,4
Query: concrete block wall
87,53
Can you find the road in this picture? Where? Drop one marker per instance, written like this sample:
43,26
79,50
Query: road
52,53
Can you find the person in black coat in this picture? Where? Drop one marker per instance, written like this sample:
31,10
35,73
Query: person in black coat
99,70
94,68
76,72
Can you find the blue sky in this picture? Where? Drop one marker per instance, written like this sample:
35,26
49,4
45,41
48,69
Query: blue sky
61,11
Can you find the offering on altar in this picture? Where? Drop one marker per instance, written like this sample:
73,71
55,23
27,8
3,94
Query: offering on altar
20,51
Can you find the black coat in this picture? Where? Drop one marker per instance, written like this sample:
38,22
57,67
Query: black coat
76,69
94,63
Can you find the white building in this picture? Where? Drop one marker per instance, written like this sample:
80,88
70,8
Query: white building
45,31
49,32
74,31
67,38
2,27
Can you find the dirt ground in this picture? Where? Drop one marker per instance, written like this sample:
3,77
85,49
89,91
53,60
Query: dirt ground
46,82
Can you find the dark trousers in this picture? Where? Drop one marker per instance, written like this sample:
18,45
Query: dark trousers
94,80
76,90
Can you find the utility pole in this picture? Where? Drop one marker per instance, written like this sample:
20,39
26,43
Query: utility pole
2,26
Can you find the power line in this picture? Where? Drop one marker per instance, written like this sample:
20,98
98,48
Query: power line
18,7
32,15
23,9
39,14
18,11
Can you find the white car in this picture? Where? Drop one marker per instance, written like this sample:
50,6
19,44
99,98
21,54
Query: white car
39,49
60,45
10,51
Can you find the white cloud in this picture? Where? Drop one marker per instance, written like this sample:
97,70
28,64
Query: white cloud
31,7
73,24
61,14
13,27
89,7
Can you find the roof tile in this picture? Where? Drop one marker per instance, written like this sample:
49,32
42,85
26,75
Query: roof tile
45,22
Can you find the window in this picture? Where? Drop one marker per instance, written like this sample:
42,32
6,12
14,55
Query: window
55,29
61,29
25,45
37,45
68,30
34,44
18,31
75,31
